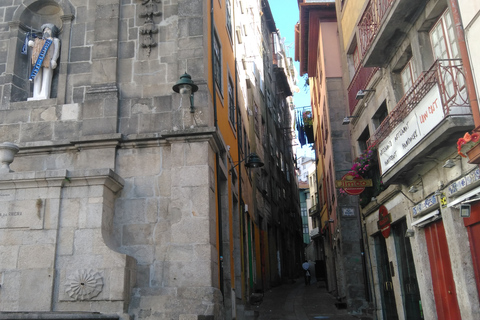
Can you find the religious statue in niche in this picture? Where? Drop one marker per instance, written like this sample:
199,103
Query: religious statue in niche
45,53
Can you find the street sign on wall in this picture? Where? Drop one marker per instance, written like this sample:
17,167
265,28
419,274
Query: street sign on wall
353,184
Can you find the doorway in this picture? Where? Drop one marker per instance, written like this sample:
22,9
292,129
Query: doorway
406,272
387,293
442,276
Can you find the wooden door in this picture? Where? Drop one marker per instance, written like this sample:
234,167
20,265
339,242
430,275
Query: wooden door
473,230
442,276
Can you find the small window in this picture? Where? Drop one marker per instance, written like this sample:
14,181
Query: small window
229,17
356,58
380,115
408,76
353,59
362,140
231,102
257,120
217,52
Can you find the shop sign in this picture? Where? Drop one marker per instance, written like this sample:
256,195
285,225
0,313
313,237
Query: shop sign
425,205
353,185
406,135
384,220
464,182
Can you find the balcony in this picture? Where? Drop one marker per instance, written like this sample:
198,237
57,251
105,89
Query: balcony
426,122
313,210
383,27
315,232
359,82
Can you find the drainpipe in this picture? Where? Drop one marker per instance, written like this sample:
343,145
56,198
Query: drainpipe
472,94
217,157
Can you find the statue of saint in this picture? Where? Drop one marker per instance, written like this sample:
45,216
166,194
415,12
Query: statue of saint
45,52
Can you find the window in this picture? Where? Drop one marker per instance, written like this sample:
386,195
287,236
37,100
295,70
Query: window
269,100
256,119
240,135
408,75
231,102
443,40
442,37
305,227
245,141
356,58
217,61
362,140
229,18
380,115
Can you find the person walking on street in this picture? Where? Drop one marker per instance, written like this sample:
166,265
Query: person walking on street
306,267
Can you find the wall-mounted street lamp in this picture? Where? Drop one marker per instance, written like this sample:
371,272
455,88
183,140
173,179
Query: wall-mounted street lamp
251,161
346,120
186,86
450,163
413,189
362,93
409,233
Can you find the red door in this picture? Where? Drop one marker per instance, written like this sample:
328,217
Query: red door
473,229
442,276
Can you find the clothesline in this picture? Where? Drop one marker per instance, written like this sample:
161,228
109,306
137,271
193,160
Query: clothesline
305,130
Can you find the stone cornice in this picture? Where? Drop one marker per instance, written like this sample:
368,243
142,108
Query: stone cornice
60,178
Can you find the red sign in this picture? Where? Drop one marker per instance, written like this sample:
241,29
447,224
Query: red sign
353,185
384,219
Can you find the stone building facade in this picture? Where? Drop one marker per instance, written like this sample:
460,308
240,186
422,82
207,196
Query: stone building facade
114,207
411,97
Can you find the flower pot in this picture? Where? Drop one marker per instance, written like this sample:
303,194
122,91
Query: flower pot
7,153
474,155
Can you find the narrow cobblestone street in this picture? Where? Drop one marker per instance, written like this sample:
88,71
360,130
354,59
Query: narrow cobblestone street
300,302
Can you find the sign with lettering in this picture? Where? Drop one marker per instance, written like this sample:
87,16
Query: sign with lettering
384,220
353,185
20,214
457,186
425,205
416,125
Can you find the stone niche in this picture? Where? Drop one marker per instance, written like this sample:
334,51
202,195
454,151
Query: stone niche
56,244
27,20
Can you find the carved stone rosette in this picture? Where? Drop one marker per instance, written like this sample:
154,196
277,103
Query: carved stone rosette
149,27
84,285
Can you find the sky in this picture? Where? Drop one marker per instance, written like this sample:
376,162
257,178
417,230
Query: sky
285,14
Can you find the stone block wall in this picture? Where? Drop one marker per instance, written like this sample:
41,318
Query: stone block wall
115,178
54,228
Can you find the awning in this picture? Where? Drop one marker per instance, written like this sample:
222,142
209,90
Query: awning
464,197
423,221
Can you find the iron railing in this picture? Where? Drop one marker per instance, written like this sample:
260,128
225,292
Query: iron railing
371,21
360,80
449,76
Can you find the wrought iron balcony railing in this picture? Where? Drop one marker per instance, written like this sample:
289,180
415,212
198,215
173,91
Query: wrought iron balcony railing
359,82
371,21
449,77
313,210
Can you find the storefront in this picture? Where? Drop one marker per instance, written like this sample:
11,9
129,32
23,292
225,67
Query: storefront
424,255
